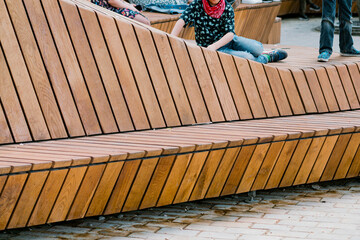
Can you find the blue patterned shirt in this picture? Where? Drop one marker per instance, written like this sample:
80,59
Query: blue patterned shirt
208,29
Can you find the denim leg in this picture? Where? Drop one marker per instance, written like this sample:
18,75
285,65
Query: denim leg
346,40
247,45
327,25
243,54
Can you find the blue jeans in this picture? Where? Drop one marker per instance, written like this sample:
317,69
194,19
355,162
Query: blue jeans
327,25
245,48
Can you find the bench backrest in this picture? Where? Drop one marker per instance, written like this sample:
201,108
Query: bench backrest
70,69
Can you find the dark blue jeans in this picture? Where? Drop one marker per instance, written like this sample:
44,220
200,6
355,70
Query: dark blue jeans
327,25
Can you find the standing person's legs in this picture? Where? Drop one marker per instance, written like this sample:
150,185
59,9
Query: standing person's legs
346,40
302,7
327,26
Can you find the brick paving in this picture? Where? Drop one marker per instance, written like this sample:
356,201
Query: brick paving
314,212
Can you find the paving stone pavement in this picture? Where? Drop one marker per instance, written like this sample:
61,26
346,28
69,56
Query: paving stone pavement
328,210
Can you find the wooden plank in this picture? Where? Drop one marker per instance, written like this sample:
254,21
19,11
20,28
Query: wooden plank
316,90
141,74
282,102
318,153
207,174
104,189
221,85
81,43
295,162
3,179
355,77
250,88
335,158
223,171
236,88
157,182
9,196
36,69
54,67
21,78
86,192
126,95
267,166
122,187
348,156
253,168
264,89
174,179
173,77
238,170
71,66
205,83
348,86
67,194
280,166
159,81
189,80
27,199
304,91
354,170
11,104
140,184
191,174
47,197
327,89
5,134
338,88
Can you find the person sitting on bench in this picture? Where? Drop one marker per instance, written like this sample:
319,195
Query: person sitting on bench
123,8
213,21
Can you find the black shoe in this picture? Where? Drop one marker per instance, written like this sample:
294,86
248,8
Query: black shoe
314,7
277,55
303,17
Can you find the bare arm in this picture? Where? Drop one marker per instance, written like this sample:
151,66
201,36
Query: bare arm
222,41
122,4
178,27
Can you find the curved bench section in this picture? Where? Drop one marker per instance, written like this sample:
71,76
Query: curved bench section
82,90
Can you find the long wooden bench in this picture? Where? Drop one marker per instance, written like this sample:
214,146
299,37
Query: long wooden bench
253,21
100,114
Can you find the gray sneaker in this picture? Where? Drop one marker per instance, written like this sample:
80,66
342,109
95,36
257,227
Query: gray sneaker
352,53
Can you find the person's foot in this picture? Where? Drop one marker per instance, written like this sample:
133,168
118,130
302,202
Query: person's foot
303,17
324,56
314,7
277,55
352,53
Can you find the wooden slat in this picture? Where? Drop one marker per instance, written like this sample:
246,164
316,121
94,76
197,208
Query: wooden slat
161,86
250,88
27,199
71,66
327,88
348,86
291,91
20,75
264,89
87,63
189,80
127,89
104,188
304,91
206,85
355,77
174,80
316,90
277,88
348,156
174,179
338,88
9,196
141,74
236,88
54,68
221,85
36,69
5,134
354,170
